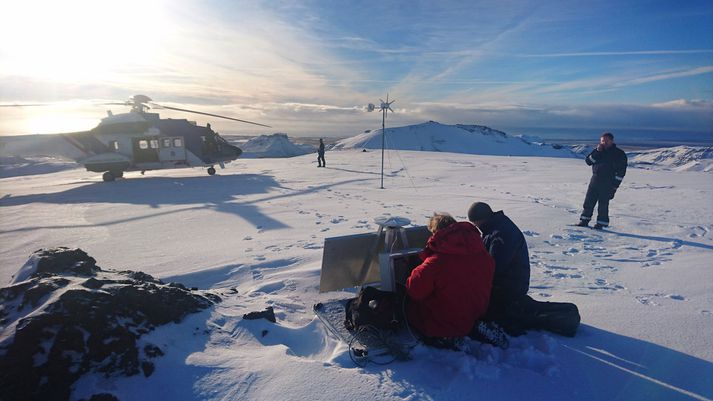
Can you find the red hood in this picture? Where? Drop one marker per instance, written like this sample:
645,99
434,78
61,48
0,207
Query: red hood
457,239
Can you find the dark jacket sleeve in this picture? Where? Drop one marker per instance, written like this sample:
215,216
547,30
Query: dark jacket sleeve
620,164
592,157
502,254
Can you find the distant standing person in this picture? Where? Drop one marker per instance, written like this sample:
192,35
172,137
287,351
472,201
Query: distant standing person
608,169
320,154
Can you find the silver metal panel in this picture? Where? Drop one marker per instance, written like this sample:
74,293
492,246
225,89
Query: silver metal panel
352,260
396,267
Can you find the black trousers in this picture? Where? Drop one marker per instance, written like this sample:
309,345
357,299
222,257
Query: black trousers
597,193
320,160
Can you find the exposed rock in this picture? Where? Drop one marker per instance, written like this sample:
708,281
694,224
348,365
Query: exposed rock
70,318
267,314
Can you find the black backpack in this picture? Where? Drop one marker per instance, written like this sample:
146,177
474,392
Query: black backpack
372,307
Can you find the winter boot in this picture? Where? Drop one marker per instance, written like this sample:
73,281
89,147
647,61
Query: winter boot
582,223
490,333
598,226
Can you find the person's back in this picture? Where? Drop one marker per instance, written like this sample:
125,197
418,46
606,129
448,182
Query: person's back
450,290
506,244
510,307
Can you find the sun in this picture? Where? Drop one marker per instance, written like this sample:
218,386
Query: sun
79,40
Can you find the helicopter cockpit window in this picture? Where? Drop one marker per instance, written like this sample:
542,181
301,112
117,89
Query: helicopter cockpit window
154,143
166,143
143,144
178,143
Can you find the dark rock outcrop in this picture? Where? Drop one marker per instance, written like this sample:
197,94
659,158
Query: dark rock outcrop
71,318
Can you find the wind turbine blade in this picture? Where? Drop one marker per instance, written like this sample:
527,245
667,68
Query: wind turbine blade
208,114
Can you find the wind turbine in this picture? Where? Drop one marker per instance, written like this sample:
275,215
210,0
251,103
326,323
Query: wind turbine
385,106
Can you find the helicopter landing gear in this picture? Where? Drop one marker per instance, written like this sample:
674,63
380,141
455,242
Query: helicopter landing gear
108,176
112,175
211,170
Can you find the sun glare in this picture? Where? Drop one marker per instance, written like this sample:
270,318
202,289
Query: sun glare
79,39
56,118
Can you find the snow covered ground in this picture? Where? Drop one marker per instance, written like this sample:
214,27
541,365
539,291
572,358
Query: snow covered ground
644,288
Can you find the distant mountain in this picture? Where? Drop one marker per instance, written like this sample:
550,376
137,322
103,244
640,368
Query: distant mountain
436,137
275,145
679,158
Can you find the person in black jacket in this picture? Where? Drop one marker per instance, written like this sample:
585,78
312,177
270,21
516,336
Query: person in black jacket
506,244
608,169
320,154
510,308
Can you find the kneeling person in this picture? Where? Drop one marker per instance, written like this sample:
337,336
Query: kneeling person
450,290
510,306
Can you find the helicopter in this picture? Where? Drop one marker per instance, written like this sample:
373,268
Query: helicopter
142,141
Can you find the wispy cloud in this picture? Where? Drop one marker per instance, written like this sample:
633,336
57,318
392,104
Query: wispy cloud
619,53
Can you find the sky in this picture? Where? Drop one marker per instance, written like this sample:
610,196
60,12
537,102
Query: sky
309,68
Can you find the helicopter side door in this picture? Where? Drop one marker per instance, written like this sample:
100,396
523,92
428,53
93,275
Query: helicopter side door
172,149
145,149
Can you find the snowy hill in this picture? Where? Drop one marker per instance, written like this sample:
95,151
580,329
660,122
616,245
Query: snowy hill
254,233
679,158
275,145
11,166
436,137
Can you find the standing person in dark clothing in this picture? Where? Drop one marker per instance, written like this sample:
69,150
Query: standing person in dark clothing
510,307
608,169
320,155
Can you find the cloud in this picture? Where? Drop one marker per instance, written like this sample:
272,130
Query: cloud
686,104
617,53
670,75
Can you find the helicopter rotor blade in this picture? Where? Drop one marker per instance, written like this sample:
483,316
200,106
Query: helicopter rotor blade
24,105
113,104
207,114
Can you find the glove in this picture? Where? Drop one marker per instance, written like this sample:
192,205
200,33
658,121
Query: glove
611,195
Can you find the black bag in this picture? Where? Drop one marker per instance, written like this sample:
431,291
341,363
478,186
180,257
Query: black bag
557,317
372,307
525,313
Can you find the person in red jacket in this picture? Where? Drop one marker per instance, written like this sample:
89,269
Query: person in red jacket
450,290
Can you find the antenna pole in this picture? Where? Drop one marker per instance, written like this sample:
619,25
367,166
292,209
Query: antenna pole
384,107
383,141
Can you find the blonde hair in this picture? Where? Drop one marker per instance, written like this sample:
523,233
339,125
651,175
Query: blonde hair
440,221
